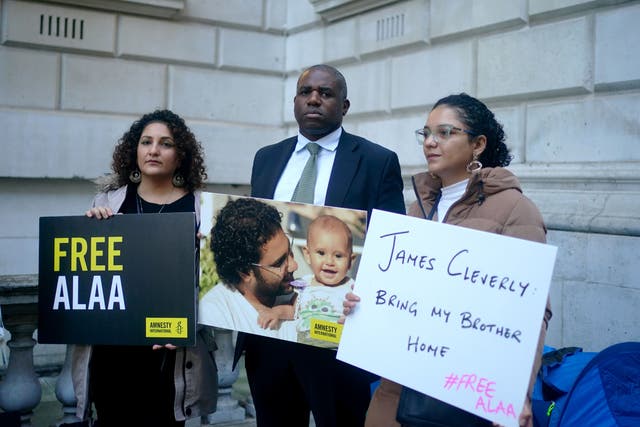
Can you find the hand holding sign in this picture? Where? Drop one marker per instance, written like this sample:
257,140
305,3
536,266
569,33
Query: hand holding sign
350,303
99,212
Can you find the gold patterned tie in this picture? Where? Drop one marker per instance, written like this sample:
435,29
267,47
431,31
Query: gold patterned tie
306,186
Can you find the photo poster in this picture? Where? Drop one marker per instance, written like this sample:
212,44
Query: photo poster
315,304
451,312
126,280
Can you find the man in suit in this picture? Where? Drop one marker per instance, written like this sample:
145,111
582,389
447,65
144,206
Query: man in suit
287,380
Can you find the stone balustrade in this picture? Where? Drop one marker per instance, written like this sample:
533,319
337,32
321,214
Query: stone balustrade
20,390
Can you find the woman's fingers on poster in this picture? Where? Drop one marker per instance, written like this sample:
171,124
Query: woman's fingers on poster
99,212
167,346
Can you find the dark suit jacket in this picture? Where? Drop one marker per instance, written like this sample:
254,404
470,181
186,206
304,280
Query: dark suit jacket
364,175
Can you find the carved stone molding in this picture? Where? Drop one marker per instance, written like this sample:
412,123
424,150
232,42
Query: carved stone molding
585,197
332,10
579,197
157,8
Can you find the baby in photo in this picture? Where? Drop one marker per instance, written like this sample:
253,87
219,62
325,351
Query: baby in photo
329,253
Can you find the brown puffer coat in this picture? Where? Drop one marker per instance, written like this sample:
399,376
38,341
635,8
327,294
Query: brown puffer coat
493,202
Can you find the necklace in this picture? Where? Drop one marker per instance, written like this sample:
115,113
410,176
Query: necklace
168,200
140,208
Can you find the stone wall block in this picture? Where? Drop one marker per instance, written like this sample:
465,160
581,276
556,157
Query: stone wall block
613,259
617,40
112,85
29,78
292,130
470,17
252,50
20,256
542,9
402,24
226,96
276,15
242,12
554,333
582,197
368,86
38,197
41,144
397,135
619,212
569,209
304,49
290,87
512,120
572,260
419,79
24,201
166,40
44,24
573,131
230,149
596,316
300,14
549,59
340,41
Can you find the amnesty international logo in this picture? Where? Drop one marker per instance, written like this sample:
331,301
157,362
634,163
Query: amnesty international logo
166,327
325,330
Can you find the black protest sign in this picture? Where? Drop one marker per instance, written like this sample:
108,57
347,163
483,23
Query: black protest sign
127,280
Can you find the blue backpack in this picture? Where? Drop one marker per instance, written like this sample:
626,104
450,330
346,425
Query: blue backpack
576,388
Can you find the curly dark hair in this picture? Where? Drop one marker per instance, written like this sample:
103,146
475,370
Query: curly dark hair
481,121
190,153
241,229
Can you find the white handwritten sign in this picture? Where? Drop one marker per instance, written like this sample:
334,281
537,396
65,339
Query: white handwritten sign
449,311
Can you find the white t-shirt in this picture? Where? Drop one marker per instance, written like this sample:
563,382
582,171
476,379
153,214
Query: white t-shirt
319,301
227,308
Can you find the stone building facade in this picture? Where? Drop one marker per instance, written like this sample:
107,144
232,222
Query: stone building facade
563,77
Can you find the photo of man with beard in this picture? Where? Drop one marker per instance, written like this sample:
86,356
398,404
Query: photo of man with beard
255,264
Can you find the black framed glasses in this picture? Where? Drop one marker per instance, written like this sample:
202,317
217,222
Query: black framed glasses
282,265
440,134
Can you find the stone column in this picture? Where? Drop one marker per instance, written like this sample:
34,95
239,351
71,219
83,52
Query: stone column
64,391
20,391
228,408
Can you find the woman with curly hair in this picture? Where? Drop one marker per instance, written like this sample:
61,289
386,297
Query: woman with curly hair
466,185
188,172
158,168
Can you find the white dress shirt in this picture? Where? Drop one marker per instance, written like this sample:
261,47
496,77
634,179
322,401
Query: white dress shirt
292,172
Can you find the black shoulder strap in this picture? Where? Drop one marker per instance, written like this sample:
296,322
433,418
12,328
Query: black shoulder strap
434,208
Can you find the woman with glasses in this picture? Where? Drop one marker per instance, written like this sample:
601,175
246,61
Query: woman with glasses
158,168
466,185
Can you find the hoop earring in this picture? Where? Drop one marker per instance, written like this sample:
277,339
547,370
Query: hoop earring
135,176
177,180
474,166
